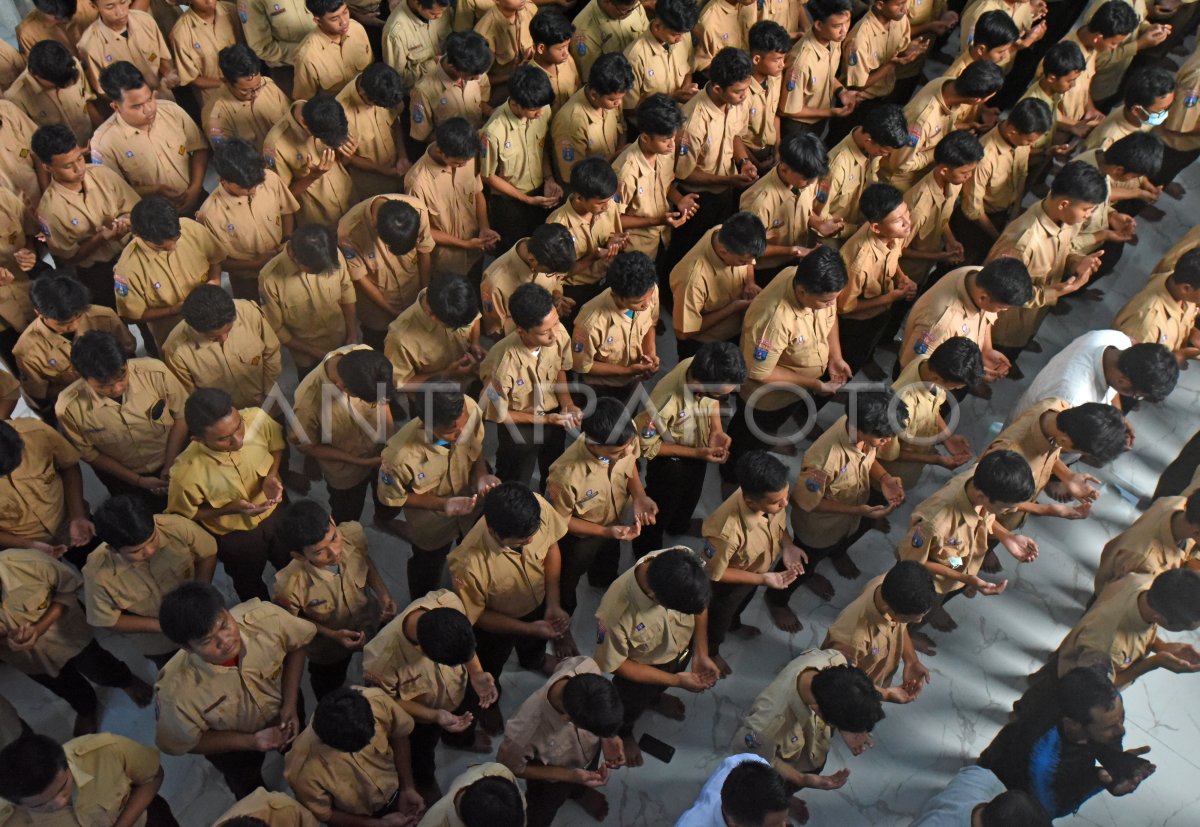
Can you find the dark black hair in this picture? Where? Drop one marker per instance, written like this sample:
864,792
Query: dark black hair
237,161
305,523
59,297
1004,477
238,61
52,61
189,612
1151,369
593,178
444,407
320,8
468,52
154,219
979,79
847,699
12,448
718,363
1006,280
679,581
1063,58
382,85
958,360
53,139
805,154
453,300
819,10
908,588
529,305
1146,84
97,355
760,473
610,74
1031,116
208,307
1140,153
609,423
1084,689
62,9
751,792
593,704
243,821
730,66
820,272
492,801
994,29
512,510
878,200
553,247
659,115
344,719
119,78
1175,594
768,36
314,247
530,87
1014,807
886,125
31,763
1187,270
958,149
878,413
124,521
1095,429
367,374
679,16
445,636
743,233
1112,19
550,26
204,408
398,224
325,118
456,138
631,275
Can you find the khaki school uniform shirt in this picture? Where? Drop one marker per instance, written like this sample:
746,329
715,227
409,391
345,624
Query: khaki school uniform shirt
834,468
203,478
588,487
114,586
944,311
875,639
1025,436
605,333
37,26
642,191
1112,634
274,28
11,65
67,218
564,80
509,40
197,43
1146,547
702,283
784,211
104,770
16,157
1180,129
930,120
1087,240
132,430
451,195
438,97
1153,315
414,463
324,66
580,130
719,27
153,160
1036,91
1074,102
67,106
276,809
598,34
590,233
44,357
142,44
1020,12
444,812
674,414
249,225
374,129
850,172
501,279
519,379
872,264
706,140
327,780
512,148
490,577
947,529
411,43
999,178
1113,128
224,116
810,77
195,697
289,149
29,582
781,727
737,537
397,665
306,306
419,343
924,401
930,206
658,68
246,365
871,43
630,625
762,106
31,497
538,732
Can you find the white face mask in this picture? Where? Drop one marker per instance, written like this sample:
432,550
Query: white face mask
1156,118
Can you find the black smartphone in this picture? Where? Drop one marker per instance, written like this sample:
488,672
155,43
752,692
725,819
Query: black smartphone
659,749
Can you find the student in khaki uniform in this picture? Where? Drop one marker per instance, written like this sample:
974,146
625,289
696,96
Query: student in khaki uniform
1062,68
413,36
87,775
166,259
17,259
994,40
12,64
197,39
592,217
812,92
590,122
425,658
438,336
525,387
485,794
56,24
742,539
718,27
768,44
506,30
1022,14
308,298
276,809
544,259
227,479
16,162
232,692
353,759
713,284
928,21
47,637
1104,31
310,149
43,351
224,343
932,244
248,103
1042,237
661,58
142,557
854,164
558,735
1126,162
877,46
591,485
251,211
1179,130
1163,538
333,583
872,631
447,180
604,27
341,420
10,394
372,102
514,161
792,722
120,34
458,87
666,591
54,90
1166,310
613,340
506,571
153,144
124,416
275,28
84,212
551,33
332,54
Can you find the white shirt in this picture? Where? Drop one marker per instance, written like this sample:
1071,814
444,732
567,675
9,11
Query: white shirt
952,807
706,812
1076,373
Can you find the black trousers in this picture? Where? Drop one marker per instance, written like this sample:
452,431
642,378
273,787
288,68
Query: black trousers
518,454
1174,162
244,554
746,438
94,663
425,568
581,294
860,337
346,504
713,208
117,486
327,677
598,557
543,799
513,219
725,609
636,698
780,597
241,769
1178,475
675,484
494,649
424,738
98,279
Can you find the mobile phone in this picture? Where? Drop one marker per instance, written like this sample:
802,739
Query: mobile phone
658,749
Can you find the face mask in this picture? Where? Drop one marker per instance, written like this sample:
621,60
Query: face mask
1156,118
441,443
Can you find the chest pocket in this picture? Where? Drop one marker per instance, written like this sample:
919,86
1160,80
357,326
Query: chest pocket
646,634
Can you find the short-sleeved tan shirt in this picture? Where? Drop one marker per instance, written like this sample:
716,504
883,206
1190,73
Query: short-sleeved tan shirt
197,44
31,497
1180,129
274,28
397,665
630,625
930,206
719,27
598,34
947,529
539,732
738,537
834,468
67,218
579,130
512,148
606,333
509,40
444,812
872,265
438,97
289,149
1112,634
590,232
782,727
702,283
1025,436
411,44
44,357
276,809
658,68
590,488
419,343
850,172
16,156
517,378
784,211
930,119
306,306
810,77
153,160
142,44
871,43
249,226
1020,12
875,638
501,279
675,414
999,178
1154,315
643,185
564,80
706,140
1148,546
29,582
924,401
195,696
38,26
451,195
762,107
67,106
374,129
322,65
944,311
224,116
